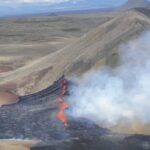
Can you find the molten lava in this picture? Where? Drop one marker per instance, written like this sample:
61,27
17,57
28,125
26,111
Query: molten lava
63,105
64,87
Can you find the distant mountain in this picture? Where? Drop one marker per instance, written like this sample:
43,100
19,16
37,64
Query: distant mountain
135,4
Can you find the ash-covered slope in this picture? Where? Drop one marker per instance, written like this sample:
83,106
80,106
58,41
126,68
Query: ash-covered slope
135,4
91,51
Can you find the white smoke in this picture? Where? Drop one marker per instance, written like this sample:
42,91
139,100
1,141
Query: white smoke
109,96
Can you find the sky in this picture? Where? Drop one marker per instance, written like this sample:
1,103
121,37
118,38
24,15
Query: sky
18,7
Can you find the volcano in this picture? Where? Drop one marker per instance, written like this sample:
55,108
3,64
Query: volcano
35,114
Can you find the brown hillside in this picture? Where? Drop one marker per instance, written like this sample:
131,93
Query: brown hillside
91,51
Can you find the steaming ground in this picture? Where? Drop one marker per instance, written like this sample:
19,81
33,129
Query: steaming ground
115,97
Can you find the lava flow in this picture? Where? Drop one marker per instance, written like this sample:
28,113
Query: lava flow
63,105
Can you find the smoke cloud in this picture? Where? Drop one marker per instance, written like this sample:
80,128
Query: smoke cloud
109,96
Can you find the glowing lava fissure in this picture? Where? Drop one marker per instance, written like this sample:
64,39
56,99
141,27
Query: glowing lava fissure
63,105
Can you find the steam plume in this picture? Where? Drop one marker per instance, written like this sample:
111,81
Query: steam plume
109,96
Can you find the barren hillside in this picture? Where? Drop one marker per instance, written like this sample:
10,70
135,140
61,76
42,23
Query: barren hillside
93,49
25,39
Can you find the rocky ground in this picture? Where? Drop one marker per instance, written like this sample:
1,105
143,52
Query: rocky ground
135,142
34,117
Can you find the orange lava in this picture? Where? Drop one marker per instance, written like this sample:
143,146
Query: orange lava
64,87
63,105
64,90
63,118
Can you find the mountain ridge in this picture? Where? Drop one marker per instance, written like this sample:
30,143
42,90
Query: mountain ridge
135,4
77,58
